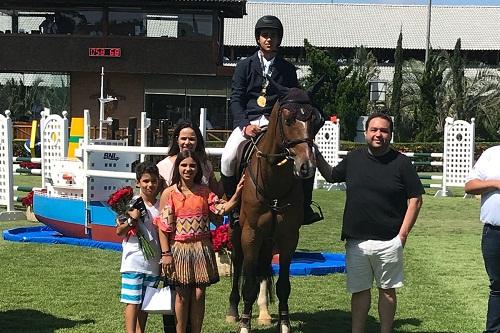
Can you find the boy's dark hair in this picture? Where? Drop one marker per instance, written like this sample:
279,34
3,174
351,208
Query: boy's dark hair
176,177
146,167
380,115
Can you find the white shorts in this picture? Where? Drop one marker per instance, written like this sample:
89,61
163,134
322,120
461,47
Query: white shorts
234,143
373,259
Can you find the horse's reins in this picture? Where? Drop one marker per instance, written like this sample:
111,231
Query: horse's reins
285,143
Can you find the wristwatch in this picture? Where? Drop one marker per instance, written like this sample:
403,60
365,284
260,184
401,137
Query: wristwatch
130,222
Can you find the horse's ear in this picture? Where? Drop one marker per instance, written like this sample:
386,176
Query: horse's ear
316,86
283,91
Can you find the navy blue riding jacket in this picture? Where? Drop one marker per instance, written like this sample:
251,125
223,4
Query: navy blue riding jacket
247,87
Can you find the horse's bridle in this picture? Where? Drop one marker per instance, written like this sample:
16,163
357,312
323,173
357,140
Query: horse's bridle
286,155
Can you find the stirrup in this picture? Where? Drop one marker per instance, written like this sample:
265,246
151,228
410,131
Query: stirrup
315,216
320,212
234,218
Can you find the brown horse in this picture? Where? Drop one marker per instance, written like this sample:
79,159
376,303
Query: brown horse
272,203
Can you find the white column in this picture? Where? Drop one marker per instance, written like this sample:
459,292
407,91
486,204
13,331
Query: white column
203,122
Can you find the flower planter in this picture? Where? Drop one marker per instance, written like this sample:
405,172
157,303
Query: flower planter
223,263
30,216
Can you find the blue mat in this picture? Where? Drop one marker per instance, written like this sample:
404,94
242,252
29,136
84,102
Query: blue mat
44,234
315,263
303,263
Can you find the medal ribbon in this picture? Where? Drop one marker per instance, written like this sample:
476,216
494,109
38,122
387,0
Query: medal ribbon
266,70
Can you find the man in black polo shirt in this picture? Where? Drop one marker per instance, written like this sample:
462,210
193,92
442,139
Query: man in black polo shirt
383,199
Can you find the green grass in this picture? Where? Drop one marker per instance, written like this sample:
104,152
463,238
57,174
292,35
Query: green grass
59,288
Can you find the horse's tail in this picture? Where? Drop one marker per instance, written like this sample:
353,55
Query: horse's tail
270,287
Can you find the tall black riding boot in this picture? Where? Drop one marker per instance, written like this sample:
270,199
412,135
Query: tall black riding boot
229,183
310,216
169,324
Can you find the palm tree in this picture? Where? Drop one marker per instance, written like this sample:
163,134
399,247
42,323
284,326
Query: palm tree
422,93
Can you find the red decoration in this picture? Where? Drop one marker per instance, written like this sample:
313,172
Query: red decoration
28,200
30,165
221,242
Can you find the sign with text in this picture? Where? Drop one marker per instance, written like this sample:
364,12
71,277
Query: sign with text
107,52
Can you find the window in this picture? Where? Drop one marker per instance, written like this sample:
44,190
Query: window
123,23
81,22
179,25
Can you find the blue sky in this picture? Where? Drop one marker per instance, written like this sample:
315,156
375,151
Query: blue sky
406,2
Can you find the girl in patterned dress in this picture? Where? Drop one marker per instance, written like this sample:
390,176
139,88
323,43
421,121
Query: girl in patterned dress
187,255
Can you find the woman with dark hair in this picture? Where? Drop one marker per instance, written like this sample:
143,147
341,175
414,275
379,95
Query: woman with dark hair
186,136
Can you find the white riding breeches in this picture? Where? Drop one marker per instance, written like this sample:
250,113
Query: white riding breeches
233,147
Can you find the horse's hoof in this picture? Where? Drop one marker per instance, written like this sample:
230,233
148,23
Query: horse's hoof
244,328
232,319
264,321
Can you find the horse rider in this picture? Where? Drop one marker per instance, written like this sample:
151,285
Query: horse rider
252,100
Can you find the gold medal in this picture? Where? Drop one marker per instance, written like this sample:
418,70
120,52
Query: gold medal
261,101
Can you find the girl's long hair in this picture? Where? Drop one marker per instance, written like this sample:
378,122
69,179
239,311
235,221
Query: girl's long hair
182,155
200,143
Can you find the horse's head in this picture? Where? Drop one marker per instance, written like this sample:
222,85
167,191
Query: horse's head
295,119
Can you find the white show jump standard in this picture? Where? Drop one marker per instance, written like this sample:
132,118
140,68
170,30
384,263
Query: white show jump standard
6,176
54,138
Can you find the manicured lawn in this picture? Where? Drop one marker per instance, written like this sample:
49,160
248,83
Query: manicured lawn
58,288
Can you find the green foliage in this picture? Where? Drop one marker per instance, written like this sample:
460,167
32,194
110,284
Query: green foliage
482,101
345,89
439,90
430,84
21,99
457,73
397,82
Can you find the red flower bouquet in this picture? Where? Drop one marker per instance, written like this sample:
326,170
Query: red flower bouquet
119,202
221,242
120,199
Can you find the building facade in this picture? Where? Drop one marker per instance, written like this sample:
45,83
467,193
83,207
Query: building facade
164,57
170,58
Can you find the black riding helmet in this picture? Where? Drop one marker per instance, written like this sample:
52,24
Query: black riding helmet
269,22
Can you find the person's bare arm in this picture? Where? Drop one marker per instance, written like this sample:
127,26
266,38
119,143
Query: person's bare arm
479,186
414,205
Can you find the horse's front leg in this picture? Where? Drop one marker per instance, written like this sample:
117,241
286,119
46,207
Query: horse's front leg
250,288
232,315
283,292
287,243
